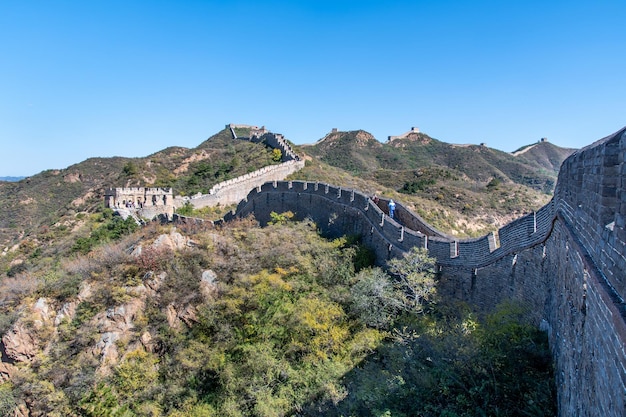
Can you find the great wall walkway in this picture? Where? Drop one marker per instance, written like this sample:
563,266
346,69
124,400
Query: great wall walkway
321,202
234,190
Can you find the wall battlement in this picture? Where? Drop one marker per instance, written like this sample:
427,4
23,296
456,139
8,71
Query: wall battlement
472,253
404,135
236,189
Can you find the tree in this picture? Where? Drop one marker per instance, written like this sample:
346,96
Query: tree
186,210
130,169
416,277
281,218
375,300
277,155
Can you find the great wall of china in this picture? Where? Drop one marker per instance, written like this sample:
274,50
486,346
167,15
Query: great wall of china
150,202
566,262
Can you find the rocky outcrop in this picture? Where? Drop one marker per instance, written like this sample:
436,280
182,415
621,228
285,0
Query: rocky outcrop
173,241
115,324
20,344
6,371
208,285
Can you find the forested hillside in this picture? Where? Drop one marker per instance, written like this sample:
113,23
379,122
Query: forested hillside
249,321
52,199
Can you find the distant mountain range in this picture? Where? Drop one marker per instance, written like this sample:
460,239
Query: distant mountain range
11,179
417,155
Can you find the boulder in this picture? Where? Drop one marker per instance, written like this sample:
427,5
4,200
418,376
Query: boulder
20,344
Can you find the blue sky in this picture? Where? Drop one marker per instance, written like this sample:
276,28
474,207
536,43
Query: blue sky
129,78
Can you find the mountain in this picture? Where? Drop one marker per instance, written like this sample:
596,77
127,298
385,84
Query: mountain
360,153
11,179
544,154
464,190
52,198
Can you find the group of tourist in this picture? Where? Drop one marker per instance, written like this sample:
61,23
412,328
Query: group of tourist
131,204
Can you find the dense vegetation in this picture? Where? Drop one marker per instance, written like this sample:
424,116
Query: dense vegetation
267,322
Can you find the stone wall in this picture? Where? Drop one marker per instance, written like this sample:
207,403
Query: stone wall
236,189
404,135
566,263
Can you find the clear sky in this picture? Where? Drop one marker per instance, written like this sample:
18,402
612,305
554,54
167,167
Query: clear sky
129,78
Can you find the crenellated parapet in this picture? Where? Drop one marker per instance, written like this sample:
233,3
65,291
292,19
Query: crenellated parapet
590,190
322,202
262,134
234,190
404,135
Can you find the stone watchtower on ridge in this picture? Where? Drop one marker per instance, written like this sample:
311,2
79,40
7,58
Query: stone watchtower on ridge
146,202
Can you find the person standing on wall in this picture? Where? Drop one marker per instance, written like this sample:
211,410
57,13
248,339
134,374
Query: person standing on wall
392,208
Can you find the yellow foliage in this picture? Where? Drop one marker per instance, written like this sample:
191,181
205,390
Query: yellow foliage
325,322
284,272
264,282
136,372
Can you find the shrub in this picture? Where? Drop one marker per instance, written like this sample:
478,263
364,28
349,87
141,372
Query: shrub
281,218
416,273
153,259
494,183
13,290
374,298
8,401
277,155
6,321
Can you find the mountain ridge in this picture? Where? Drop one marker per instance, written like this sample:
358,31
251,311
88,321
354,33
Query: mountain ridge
52,197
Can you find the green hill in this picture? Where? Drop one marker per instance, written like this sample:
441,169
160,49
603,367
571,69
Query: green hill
544,154
361,154
51,199
465,190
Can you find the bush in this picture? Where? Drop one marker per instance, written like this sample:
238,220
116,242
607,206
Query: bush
416,274
494,183
113,229
374,299
8,401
